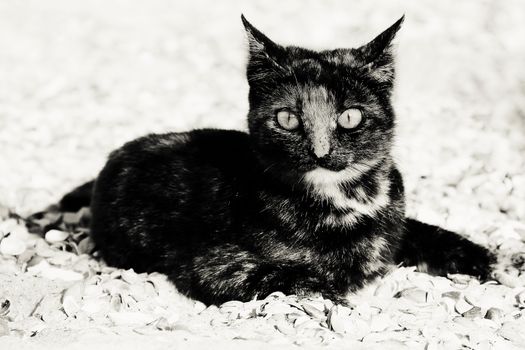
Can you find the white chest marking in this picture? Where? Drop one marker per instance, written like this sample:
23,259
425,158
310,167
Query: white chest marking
326,184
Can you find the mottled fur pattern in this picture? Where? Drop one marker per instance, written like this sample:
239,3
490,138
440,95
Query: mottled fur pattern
233,215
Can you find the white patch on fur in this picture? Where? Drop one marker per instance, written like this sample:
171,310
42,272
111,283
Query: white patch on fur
376,255
318,112
326,184
217,262
321,177
283,252
359,209
373,203
321,145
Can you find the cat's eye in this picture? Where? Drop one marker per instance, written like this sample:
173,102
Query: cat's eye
350,118
287,120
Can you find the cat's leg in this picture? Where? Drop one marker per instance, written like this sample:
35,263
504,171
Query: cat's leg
229,272
438,251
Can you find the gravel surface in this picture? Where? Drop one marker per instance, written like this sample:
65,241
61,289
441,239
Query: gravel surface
80,79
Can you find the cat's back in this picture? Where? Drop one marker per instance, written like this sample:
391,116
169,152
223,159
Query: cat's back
221,147
169,186
175,164
161,161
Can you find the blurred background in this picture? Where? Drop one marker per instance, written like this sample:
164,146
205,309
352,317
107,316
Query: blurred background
80,78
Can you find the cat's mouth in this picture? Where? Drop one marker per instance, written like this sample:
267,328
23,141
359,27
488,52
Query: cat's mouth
332,168
331,164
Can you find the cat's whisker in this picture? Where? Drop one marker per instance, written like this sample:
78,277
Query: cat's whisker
268,168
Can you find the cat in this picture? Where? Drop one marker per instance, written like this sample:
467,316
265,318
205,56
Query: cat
309,201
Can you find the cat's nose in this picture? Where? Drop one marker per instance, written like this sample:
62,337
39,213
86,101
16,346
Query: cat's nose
320,154
320,147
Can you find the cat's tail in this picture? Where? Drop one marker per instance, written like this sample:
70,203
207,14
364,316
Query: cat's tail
440,252
78,198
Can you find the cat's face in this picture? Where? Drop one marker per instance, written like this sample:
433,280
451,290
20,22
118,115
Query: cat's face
329,110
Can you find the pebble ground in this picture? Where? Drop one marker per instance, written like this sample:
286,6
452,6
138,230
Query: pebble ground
81,78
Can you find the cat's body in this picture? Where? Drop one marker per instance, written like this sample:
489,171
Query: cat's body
310,201
215,224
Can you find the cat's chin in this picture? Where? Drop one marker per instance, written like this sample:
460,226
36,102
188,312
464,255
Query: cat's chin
322,175
352,172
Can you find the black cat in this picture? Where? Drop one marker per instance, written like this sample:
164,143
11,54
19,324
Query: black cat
310,201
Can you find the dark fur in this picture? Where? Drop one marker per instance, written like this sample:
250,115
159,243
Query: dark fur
230,215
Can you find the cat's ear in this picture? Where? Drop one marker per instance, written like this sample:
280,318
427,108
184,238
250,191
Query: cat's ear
266,57
377,56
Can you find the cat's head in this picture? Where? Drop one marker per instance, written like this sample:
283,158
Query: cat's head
320,109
